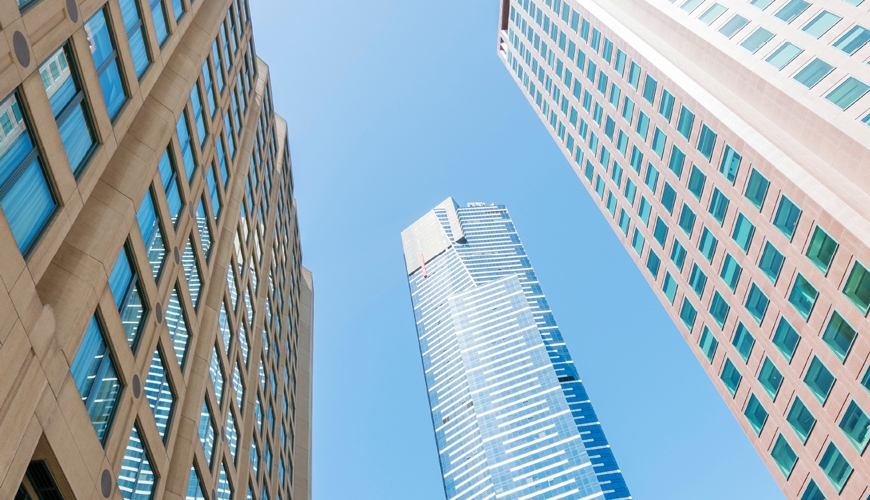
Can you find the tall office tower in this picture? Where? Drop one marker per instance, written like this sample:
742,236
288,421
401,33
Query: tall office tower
155,320
512,419
726,143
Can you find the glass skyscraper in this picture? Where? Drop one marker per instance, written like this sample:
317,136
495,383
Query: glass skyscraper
726,143
512,419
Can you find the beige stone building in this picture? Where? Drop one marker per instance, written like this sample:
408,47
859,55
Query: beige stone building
155,319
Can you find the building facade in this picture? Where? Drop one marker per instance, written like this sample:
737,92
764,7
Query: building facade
155,319
726,143
512,419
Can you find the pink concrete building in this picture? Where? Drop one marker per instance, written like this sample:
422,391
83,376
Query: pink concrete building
726,142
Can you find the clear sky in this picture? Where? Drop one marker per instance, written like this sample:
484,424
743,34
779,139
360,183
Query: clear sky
392,106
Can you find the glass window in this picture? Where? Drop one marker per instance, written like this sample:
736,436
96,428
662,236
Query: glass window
652,264
669,196
821,249
719,309
198,114
856,426
106,61
696,182
661,231
718,205
835,466
857,287
678,255
731,271
642,127
176,323
637,242
688,314
821,24
207,433
159,394
848,92
670,287
771,262
182,128
801,420
678,158
169,178
803,296
743,341
69,107
216,372
26,197
733,25
649,87
792,10
93,370
628,110
152,234
813,73
687,220
707,245
213,192
787,216
761,4
135,35
743,231
770,378
158,12
191,272
708,344
819,379
813,492
634,75
730,163
756,40
755,414
691,5
224,489
786,339
652,177
713,13
784,456
853,40
126,289
756,303
684,126
666,106
706,142
636,159
730,377
658,144
784,55
178,8
232,435
204,231
756,189
839,335
136,479
697,280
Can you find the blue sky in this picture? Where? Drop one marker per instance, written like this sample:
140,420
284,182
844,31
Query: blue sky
392,106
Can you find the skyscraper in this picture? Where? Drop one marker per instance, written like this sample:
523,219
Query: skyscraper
726,142
512,419
155,320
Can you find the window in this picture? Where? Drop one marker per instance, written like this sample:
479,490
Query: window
770,378
761,4
216,372
801,420
669,287
207,433
697,280
658,144
637,242
238,386
730,164
213,192
821,24
232,435
813,73
224,489
182,128
171,186
687,220
731,271
839,335
191,272
719,309
135,35
835,466
755,414
125,287
628,110
630,191
819,379
756,303
178,8
176,323
678,255
813,492
821,249
848,92
735,24
136,478
853,40
152,234
756,189
642,127
784,55
730,377
718,205
756,40
688,314
786,339
69,107
803,296
634,75
792,10
158,12
857,287
198,114
707,245
743,231
743,342
712,14
26,197
666,106
696,182
787,216
708,344
93,370
784,456
669,196
691,5
649,88
159,394
661,231
644,210
652,264
771,262
856,426
678,158
106,61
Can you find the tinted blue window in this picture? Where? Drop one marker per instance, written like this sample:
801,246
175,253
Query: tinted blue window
135,35
169,178
106,61
124,283
93,370
158,12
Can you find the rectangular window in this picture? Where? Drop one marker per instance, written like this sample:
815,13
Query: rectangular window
735,24
784,55
697,280
707,245
784,456
696,182
787,216
192,273
630,191
93,370
856,426
848,92
198,115
756,40
743,231
661,232
624,221
756,189
642,127
69,107
857,287
792,10
730,164
652,177
678,255
670,287
755,414
801,420
770,378
730,377
731,271
666,106
771,262
171,187
158,13
178,8
718,205
821,24
152,234
719,309
803,296
678,158
684,125
756,303
26,196
835,466
637,242
786,339
634,75
135,29
691,5
127,291
708,344
853,40
839,335
652,264
102,45
821,249
649,88
711,14
688,314
687,220
706,142
628,110
813,73
658,144
636,158
819,379
619,63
